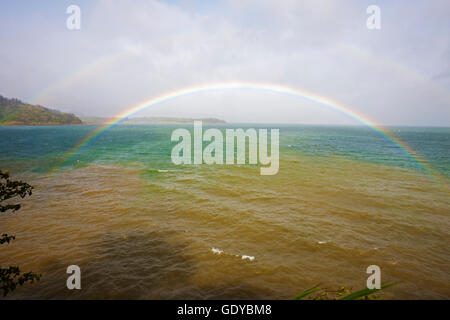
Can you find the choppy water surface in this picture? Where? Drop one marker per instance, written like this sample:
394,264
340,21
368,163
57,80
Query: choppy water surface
140,227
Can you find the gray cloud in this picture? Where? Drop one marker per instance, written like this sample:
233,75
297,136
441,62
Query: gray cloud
126,54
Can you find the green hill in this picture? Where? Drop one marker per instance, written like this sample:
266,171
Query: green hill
16,112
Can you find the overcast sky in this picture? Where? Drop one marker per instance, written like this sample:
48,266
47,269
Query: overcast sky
125,54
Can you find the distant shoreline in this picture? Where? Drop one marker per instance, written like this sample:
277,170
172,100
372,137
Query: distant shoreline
150,120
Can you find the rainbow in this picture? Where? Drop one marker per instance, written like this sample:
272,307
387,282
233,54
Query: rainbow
252,86
92,68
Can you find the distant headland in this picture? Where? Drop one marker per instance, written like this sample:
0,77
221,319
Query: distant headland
15,112
151,120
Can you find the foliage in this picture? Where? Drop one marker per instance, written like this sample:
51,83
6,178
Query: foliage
6,238
366,293
13,111
11,277
307,292
341,293
10,189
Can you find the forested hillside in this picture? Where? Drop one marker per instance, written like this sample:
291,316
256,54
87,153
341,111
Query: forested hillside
16,112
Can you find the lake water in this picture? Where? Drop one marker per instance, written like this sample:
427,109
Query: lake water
141,227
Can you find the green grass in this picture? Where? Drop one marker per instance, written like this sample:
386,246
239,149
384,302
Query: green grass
342,293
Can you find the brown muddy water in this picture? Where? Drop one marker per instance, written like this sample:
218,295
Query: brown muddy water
212,232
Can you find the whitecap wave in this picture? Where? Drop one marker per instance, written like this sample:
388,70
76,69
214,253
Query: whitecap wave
243,257
251,258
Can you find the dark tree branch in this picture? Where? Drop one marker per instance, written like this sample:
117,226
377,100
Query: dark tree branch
11,277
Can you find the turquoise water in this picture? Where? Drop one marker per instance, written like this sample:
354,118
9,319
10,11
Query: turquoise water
38,149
